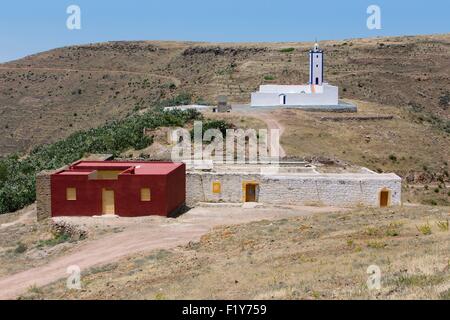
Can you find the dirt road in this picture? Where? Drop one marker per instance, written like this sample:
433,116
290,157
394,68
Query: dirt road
272,123
140,236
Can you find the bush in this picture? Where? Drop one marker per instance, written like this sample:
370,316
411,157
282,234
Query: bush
269,78
287,50
20,248
221,125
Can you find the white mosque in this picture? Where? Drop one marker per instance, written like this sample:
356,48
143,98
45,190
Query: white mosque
316,93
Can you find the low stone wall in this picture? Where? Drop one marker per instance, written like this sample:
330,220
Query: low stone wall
43,195
313,189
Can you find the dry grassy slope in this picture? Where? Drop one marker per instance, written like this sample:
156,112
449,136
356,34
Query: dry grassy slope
403,144
325,256
41,101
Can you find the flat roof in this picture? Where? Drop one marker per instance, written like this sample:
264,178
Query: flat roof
140,168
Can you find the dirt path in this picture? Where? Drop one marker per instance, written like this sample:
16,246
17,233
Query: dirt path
272,123
173,79
138,237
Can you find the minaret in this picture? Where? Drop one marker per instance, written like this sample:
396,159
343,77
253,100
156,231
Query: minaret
316,66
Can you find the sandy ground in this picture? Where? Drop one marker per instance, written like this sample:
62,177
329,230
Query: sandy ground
141,235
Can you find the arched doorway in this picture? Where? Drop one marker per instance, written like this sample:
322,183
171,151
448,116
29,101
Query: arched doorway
282,99
385,198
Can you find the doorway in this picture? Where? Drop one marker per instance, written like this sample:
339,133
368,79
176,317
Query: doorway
282,99
108,206
250,192
384,198
317,81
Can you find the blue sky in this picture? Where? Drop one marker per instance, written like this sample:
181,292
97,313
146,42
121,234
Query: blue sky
28,27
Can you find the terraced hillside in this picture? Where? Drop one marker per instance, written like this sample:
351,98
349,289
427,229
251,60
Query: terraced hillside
50,95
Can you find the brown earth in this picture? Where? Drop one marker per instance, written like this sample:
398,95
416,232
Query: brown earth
47,96
324,255
26,262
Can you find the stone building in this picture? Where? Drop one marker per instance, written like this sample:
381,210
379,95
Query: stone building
294,183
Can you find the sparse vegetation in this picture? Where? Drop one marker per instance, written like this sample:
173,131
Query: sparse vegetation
287,50
424,229
57,239
393,230
34,289
376,244
20,248
269,78
104,268
221,125
393,158
442,225
444,100
417,280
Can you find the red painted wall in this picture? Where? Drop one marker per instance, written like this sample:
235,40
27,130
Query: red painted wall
176,195
168,192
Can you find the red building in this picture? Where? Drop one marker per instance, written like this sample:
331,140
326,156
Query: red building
127,189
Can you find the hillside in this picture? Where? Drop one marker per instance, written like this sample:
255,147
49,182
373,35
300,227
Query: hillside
47,96
319,256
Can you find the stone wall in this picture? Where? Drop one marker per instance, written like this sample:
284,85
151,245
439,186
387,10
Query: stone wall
319,189
43,195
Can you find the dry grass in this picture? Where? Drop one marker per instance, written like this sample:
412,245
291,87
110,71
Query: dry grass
324,256
25,243
369,143
47,96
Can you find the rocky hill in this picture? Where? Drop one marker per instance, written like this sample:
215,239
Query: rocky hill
47,96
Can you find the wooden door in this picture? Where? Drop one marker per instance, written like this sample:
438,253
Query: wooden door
108,201
384,199
250,193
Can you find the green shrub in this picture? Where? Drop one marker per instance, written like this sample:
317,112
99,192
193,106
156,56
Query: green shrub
393,230
417,280
445,295
57,239
3,172
269,78
221,125
20,248
287,50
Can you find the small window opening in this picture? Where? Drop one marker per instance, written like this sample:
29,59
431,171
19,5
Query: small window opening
146,194
71,194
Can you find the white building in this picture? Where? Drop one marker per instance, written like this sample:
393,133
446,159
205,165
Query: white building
316,93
